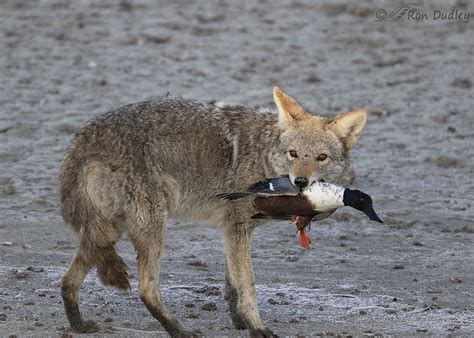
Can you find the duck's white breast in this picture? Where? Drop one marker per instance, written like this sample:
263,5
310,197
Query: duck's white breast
325,196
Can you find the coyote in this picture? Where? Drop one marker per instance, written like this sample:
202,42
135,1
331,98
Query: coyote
132,168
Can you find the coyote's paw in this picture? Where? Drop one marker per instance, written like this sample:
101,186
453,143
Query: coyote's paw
87,326
262,333
237,321
188,334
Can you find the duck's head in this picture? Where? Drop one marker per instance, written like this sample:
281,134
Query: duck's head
361,201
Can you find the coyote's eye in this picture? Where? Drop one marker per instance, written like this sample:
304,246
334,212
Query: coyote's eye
291,155
322,157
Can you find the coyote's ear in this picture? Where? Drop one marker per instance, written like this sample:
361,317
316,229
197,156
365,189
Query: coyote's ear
348,126
289,111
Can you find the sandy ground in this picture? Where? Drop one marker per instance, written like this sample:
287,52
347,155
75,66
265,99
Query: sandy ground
62,63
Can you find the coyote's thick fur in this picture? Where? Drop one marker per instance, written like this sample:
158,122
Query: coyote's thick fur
132,168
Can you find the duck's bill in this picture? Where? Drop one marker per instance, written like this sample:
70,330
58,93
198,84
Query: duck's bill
370,212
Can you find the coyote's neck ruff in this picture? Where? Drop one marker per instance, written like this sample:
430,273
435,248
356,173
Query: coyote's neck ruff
130,169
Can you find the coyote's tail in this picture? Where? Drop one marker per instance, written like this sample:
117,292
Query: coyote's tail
111,269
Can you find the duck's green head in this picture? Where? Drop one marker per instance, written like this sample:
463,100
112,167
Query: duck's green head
361,201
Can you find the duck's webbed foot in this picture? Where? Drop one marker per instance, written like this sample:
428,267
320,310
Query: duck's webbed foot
301,223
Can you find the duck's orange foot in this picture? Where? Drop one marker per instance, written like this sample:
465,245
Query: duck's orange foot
304,240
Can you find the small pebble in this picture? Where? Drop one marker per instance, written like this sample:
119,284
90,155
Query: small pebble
417,243
462,83
209,307
9,188
7,243
57,149
102,82
35,268
409,308
191,315
363,312
312,78
197,263
455,280
451,129
20,274
398,267
273,302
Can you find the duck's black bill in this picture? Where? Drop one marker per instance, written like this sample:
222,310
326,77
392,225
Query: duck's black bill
370,212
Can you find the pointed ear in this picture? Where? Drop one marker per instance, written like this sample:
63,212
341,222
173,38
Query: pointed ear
348,126
289,111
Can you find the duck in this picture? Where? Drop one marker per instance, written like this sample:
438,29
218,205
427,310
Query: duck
278,198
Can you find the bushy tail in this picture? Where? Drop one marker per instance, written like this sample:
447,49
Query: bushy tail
111,269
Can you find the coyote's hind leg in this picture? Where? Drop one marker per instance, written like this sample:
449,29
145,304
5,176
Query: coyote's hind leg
70,287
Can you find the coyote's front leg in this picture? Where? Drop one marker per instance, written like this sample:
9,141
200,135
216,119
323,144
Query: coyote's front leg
240,279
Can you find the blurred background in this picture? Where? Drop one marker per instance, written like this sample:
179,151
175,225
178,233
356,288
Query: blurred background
63,62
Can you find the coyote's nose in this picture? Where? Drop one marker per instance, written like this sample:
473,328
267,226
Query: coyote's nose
301,182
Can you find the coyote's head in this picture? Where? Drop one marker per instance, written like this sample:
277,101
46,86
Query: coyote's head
314,147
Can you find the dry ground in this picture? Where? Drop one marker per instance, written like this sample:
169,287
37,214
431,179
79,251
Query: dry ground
62,63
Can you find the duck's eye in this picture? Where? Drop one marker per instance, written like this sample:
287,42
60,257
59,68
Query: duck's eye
322,157
292,154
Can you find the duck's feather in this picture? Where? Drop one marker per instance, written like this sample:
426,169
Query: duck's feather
233,195
275,186
280,206
263,216
278,186
324,196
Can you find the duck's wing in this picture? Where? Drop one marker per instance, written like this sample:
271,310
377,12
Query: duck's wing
233,195
263,216
278,186
275,186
